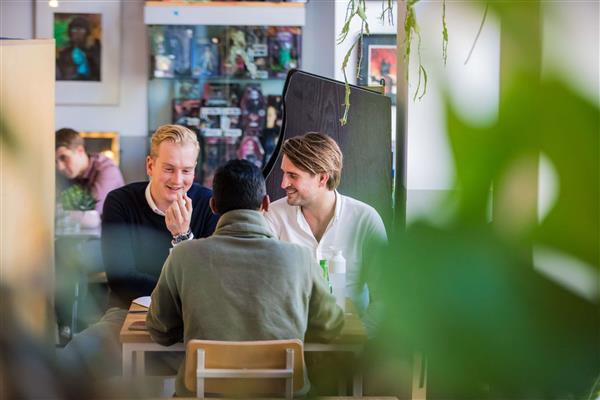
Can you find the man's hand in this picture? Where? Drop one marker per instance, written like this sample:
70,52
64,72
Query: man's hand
178,215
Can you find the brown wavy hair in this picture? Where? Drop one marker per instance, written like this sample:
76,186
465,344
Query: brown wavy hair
316,153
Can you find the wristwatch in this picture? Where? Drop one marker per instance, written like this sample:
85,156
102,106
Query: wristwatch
181,237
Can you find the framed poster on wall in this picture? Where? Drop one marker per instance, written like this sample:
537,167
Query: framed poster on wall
87,36
379,62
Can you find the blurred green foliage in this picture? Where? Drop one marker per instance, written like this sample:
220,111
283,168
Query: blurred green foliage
77,198
465,292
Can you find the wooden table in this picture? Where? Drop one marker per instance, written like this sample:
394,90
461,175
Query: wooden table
135,343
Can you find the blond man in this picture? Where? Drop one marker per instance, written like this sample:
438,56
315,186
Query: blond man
142,221
316,215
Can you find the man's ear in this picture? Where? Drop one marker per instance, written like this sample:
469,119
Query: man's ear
212,205
80,149
266,201
149,165
323,178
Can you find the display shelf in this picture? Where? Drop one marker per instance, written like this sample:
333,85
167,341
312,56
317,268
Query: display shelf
225,13
222,76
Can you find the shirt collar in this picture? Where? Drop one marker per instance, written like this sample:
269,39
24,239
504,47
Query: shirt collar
338,205
151,202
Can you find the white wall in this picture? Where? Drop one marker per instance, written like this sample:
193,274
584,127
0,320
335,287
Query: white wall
129,117
317,48
16,19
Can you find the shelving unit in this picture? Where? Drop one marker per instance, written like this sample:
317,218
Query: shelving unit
219,68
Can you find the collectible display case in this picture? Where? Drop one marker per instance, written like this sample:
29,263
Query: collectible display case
225,83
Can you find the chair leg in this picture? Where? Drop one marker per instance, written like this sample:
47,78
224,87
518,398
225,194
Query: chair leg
200,379
289,382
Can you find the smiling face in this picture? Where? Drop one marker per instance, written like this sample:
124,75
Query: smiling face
71,162
171,171
301,187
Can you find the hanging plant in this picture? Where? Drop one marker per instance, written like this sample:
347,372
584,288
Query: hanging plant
357,9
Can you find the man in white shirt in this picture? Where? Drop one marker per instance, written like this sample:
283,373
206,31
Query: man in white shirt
316,215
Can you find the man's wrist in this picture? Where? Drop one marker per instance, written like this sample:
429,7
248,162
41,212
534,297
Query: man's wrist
182,237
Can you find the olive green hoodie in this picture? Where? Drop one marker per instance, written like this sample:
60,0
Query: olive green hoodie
241,284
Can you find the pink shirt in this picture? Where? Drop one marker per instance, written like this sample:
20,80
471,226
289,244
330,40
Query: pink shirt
101,176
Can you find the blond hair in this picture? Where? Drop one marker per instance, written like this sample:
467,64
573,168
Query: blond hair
316,153
175,134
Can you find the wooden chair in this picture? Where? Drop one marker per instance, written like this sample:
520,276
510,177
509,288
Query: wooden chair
259,368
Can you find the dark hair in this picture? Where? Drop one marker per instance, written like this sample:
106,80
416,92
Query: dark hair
79,22
238,185
69,138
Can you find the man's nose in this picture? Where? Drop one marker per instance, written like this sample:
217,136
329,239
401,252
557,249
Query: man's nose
284,182
177,176
60,166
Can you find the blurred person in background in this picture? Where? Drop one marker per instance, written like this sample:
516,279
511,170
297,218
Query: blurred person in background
96,173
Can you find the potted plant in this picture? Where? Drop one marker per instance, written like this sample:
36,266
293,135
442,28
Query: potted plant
80,205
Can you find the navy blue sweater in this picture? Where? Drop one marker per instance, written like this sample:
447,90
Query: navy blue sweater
136,241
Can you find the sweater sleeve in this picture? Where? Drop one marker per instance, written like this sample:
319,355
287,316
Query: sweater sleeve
108,179
165,319
124,278
325,318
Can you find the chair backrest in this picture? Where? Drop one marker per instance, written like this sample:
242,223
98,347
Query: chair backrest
236,360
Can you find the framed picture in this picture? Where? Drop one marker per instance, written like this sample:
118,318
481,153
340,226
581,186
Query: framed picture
379,62
87,36
106,143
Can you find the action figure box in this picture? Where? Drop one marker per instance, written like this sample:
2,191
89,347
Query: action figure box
235,60
253,108
220,121
274,120
205,58
250,149
162,65
187,89
285,47
178,42
221,95
186,112
216,151
258,51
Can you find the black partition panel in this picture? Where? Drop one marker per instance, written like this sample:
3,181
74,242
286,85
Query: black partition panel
314,103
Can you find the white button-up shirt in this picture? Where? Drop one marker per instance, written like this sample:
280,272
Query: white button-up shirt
354,226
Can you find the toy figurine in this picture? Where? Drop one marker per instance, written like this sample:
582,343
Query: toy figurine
250,149
238,63
253,108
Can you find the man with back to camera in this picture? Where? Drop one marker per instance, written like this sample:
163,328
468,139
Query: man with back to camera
241,283
142,222
316,215
96,173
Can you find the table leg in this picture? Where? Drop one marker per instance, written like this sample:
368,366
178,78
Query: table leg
127,360
140,363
